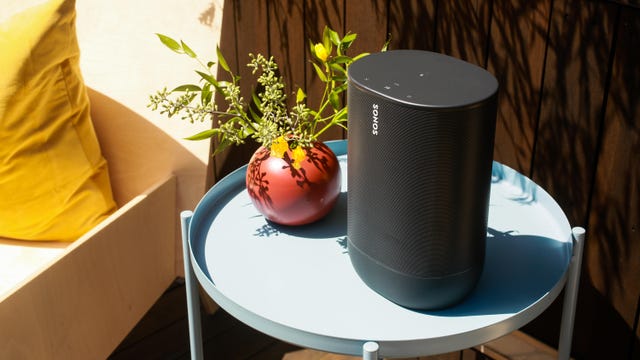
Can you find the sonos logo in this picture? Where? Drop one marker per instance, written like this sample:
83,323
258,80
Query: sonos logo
374,119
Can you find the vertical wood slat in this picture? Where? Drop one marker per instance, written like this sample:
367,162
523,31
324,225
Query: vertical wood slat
634,352
287,42
613,249
573,93
319,13
217,166
565,93
516,56
252,37
369,22
575,77
463,30
245,30
412,24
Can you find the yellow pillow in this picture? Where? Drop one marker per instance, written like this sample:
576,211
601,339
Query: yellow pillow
54,183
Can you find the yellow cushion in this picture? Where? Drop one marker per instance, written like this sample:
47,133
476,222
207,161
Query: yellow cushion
54,183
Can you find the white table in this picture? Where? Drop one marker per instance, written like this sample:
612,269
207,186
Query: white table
297,283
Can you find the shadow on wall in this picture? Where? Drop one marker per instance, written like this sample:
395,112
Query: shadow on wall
208,15
138,152
567,119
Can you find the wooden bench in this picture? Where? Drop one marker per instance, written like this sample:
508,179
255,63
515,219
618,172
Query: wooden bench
79,300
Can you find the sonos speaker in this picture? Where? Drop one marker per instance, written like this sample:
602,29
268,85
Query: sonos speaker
420,149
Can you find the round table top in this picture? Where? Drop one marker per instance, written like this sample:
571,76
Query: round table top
297,283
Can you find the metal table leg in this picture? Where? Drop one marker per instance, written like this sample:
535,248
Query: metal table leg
571,295
193,297
370,351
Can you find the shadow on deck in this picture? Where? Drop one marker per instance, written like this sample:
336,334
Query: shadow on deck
163,334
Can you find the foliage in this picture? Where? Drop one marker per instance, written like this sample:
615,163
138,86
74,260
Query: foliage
266,117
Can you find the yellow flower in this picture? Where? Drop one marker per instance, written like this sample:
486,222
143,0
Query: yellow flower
298,157
321,52
278,147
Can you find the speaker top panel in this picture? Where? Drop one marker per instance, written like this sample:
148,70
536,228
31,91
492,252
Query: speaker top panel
423,79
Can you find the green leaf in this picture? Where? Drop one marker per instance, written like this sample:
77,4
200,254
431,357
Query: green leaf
207,77
255,110
349,38
320,73
206,95
170,43
334,100
385,47
340,116
342,59
247,131
360,56
203,135
327,39
300,95
224,143
346,42
254,115
339,78
222,61
340,88
188,87
211,80
338,69
187,50
332,35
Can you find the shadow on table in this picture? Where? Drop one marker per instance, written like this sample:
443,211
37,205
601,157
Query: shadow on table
519,270
332,226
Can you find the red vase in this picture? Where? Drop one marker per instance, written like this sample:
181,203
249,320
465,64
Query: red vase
288,195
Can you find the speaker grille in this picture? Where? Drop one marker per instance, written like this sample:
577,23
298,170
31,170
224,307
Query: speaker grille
418,190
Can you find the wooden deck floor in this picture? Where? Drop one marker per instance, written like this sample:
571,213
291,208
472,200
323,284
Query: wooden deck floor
163,334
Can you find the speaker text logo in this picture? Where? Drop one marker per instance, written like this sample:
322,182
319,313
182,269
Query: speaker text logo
374,116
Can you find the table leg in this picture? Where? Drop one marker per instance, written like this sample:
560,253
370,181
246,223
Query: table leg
193,297
370,351
571,295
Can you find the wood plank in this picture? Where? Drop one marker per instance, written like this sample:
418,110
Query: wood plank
308,354
172,339
369,20
613,239
225,162
168,342
252,29
277,350
516,58
110,277
252,37
635,346
463,30
634,3
318,14
517,345
412,24
238,342
287,43
244,30
170,308
578,59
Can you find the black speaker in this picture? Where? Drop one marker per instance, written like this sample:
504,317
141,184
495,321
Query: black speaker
421,133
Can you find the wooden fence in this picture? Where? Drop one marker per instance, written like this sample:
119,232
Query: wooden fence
569,115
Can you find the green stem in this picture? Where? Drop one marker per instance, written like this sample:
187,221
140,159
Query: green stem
323,104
